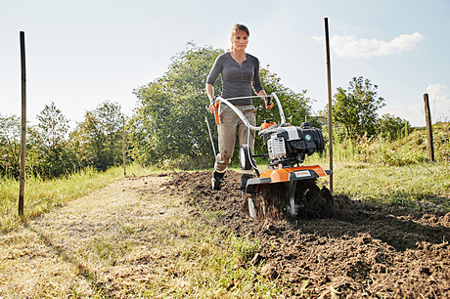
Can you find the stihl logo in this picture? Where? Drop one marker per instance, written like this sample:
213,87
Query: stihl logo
302,173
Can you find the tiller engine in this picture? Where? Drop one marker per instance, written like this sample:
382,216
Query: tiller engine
286,146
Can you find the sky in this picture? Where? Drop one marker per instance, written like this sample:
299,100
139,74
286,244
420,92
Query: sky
85,52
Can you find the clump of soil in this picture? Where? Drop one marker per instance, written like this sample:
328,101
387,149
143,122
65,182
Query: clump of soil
359,249
273,201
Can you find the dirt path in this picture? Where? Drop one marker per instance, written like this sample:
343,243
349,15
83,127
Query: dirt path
111,244
70,251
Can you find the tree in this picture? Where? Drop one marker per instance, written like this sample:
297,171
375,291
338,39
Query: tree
169,122
356,108
296,106
53,126
49,143
111,117
98,139
10,146
392,127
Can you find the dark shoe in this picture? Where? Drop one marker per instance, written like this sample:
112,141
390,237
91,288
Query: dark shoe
244,179
217,180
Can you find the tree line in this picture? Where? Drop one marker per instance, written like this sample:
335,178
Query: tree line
54,151
167,127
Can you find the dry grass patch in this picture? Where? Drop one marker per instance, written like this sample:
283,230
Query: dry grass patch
128,239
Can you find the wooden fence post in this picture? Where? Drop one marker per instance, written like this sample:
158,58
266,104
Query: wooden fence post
123,146
429,128
24,124
330,113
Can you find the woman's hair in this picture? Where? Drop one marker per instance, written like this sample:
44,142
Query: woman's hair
236,29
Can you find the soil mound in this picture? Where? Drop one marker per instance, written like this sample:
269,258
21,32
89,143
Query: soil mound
274,202
363,250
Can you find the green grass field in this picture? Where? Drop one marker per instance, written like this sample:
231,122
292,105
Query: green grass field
42,196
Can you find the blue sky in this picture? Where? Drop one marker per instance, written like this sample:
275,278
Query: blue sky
82,53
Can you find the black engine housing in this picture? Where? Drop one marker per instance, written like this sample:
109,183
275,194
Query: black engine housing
297,142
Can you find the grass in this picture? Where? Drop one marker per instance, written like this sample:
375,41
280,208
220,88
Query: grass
422,183
418,185
42,196
212,265
131,249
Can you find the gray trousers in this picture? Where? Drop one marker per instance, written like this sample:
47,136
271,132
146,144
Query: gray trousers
229,123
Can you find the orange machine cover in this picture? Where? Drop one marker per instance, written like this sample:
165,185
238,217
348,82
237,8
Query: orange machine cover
282,175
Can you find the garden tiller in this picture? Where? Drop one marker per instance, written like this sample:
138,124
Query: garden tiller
286,146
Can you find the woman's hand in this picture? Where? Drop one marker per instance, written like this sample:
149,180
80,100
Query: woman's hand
263,96
211,107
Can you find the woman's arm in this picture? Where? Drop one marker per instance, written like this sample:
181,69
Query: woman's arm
210,93
257,86
213,74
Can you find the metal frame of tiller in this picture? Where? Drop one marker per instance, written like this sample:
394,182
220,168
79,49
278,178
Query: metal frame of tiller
277,173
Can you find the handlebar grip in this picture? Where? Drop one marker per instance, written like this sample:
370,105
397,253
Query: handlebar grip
216,112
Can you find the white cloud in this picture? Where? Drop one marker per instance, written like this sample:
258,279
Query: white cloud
439,102
414,111
348,45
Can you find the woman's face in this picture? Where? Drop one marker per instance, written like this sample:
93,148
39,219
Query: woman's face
240,40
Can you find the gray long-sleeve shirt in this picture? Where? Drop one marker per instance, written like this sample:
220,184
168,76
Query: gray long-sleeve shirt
237,79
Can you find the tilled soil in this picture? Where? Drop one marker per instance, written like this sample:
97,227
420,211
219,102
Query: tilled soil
364,250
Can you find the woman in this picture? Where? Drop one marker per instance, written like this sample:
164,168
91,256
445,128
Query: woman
240,72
